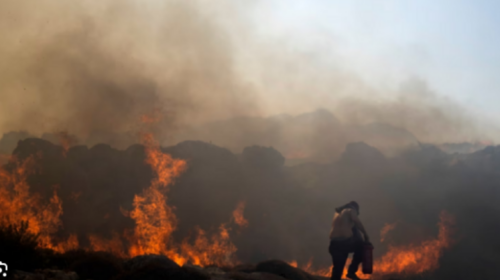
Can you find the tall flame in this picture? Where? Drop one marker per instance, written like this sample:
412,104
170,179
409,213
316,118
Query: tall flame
156,221
154,218
18,204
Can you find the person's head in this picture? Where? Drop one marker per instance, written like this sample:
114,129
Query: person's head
352,205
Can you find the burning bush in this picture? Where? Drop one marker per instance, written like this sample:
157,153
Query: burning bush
126,203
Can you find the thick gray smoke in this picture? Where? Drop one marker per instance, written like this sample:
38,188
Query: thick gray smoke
96,70
93,69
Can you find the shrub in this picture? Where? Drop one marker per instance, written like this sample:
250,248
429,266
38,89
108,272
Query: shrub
18,247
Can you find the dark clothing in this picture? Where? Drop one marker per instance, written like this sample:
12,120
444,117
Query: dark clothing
340,249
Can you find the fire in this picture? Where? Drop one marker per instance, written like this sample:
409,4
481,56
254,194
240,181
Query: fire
238,217
385,230
324,272
18,204
217,250
156,221
65,245
114,245
415,259
405,260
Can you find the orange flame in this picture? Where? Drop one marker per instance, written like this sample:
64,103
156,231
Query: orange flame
155,220
415,259
238,217
18,204
114,245
217,250
405,260
65,245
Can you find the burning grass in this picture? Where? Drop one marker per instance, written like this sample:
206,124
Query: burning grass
18,204
404,261
155,221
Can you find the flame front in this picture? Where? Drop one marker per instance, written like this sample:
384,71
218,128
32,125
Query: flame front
404,260
155,220
415,259
216,250
18,204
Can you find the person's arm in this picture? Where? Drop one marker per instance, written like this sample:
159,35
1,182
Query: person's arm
359,225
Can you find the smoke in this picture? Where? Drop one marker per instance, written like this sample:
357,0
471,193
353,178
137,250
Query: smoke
93,69
203,71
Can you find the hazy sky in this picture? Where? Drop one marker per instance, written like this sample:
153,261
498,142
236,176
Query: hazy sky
453,45
421,65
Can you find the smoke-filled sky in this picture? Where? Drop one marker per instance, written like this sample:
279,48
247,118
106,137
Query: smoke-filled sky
452,44
93,68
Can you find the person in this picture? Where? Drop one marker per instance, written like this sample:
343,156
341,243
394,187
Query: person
345,237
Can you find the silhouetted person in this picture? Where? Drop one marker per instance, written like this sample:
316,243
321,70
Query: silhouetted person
346,238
